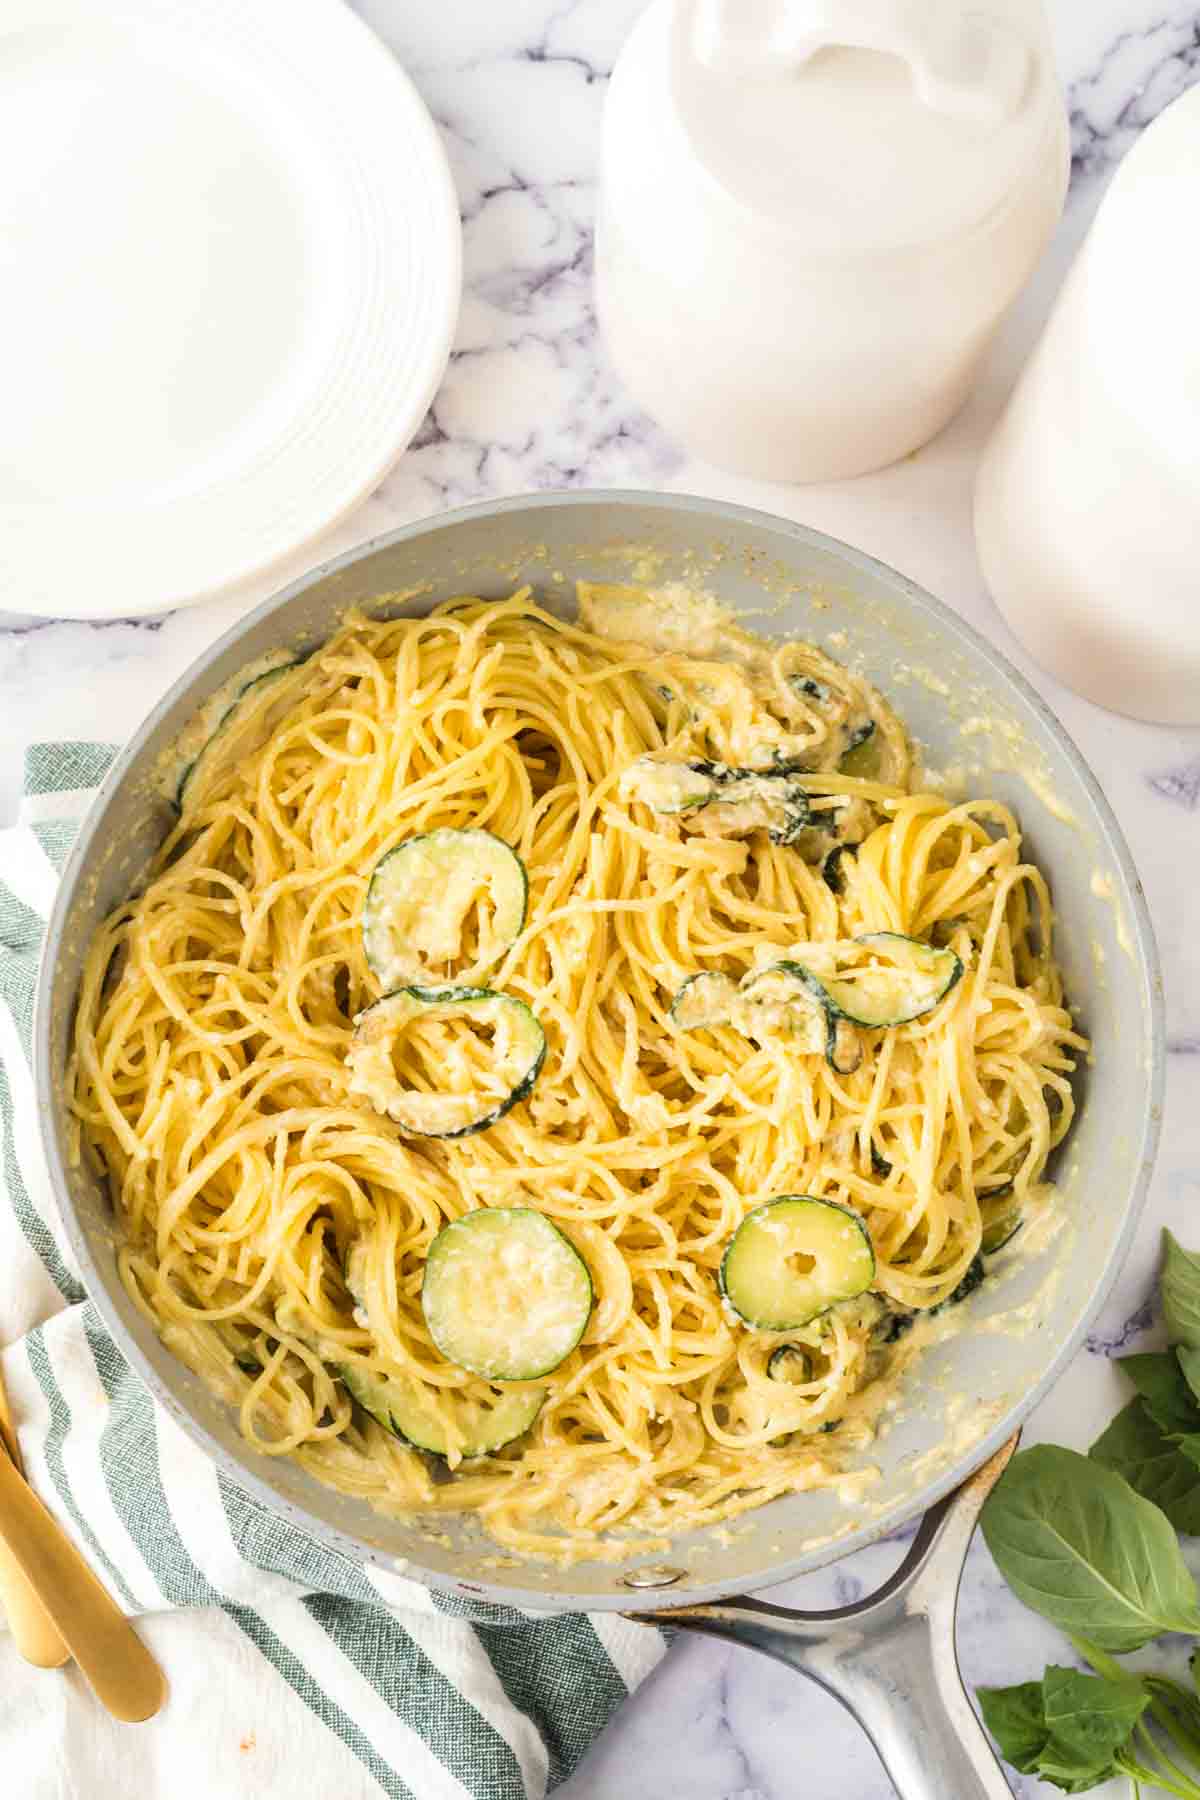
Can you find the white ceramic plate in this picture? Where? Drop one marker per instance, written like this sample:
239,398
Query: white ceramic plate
230,262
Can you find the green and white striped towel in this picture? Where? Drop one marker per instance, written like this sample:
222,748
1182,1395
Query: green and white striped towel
293,1671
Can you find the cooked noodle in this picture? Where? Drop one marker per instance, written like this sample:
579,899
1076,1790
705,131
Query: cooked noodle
210,1077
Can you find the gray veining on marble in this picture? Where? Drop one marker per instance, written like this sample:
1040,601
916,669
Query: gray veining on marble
529,401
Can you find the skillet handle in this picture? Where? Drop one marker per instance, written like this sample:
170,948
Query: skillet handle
890,1659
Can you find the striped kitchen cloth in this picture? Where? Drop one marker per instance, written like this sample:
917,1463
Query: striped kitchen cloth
293,1670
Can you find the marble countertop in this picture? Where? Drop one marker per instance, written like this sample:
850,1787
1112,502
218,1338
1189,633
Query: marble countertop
529,402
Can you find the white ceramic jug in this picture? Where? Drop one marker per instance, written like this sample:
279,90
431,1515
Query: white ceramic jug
814,214
1087,504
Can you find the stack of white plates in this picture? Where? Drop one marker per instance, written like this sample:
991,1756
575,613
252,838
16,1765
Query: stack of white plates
229,275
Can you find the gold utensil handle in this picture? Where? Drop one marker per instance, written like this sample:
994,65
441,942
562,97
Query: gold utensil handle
34,1631
8,1431
125,1676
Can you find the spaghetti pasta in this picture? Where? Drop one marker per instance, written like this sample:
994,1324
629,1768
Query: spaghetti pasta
277,1208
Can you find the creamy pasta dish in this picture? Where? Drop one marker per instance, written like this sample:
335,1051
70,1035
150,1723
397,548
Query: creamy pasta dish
550,1067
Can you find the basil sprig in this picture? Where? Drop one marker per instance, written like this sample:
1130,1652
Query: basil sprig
1090,1543
1076,1544
1068,1728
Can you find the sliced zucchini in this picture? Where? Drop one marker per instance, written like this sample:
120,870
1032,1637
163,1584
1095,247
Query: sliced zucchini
898,979
861,756
793,1258
206,721
766,1003
996,1190
420,896
879,1164
773,801
782,1000
843,1046
812,690
838,700
831,868
734,801
411,1410
256,708
893,1325
1001,1230
839,821
787,991
434,1082
882,979
789,1363
505,1294
1002,1215
778,1001
669,787
974,1277
704,1000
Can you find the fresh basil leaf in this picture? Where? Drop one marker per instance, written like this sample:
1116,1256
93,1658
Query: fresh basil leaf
1189,1361
1179,1287
1168,1399
1016,1718
1153,1466
1088,1718
1067,1728
1077,1545
1069,1779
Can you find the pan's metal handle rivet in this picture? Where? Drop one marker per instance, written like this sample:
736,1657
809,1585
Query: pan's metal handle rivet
654,1575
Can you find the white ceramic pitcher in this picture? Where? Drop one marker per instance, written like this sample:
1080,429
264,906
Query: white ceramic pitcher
814,214
1087,505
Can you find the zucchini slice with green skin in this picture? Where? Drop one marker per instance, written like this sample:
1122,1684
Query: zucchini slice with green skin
789,1364
421,893
1001,1223
974,1277
207,720
517,1053
255,710
1001,1231
789,990
831,868
704,1000
669,787
735,801
505,1293
893,1325
861,756
905,979
879,1163
406,1407
843,1046
811,689
781,1000
793,1258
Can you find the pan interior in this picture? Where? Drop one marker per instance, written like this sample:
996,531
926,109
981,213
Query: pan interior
980,725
